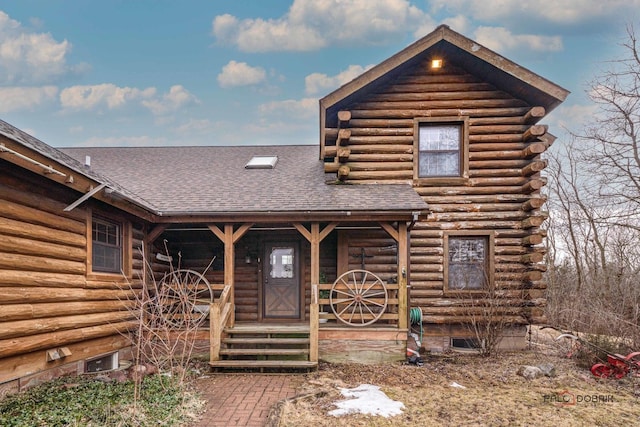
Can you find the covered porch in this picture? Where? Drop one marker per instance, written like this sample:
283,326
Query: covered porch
287,294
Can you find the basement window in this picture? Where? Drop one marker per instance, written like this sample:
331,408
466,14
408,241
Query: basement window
262,162
465,344
107,362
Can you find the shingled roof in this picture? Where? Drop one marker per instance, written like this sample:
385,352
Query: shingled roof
213,180
76,165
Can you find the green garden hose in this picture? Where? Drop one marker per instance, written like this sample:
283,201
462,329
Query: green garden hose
415,318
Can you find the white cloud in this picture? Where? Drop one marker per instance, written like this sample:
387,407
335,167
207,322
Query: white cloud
225,27
459,23
501,40
24,98
318,82
28,57
240,74
194,126
572,117
171,101
303,108
558,12
314,24
106,94
124,141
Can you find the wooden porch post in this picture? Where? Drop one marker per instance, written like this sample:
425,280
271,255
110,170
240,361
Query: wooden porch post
314,237
403,267
401,236
229,265
315,279
229,238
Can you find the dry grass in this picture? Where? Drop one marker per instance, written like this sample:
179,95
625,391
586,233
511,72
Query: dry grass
495,395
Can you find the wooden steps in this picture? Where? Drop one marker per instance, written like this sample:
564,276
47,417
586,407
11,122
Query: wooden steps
263,351
267,341
275,364
258,346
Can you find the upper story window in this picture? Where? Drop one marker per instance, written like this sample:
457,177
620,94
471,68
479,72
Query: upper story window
106,238
440,148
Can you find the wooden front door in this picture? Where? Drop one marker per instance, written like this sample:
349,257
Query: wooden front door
281,281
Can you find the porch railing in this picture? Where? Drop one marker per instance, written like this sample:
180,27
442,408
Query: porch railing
313,324
391,315
220,316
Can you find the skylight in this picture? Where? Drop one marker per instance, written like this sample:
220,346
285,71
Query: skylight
262,162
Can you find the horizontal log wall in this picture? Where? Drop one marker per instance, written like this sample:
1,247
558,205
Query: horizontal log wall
48,299
197,249
501,192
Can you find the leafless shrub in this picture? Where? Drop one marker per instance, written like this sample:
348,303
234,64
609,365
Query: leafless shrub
170,312
489,313
594,184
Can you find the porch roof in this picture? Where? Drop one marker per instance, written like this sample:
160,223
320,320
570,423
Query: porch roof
213,180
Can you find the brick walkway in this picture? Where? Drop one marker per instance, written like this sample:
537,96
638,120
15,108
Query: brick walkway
243,399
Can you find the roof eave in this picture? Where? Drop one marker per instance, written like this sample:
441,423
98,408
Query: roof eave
443,32
359,215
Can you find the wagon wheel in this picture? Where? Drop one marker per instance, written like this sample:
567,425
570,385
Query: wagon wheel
184,297
601,370
358,298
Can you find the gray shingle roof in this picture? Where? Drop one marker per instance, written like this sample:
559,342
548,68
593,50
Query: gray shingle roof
76,165
213,180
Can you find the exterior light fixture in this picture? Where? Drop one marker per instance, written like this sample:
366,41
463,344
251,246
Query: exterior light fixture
437,64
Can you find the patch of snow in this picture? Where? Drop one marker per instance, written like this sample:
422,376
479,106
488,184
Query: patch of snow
456,385
367,399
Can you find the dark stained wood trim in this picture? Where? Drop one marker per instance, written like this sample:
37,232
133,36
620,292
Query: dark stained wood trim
303,230
241,231
215,230
156,232
328,229
390,230
443,32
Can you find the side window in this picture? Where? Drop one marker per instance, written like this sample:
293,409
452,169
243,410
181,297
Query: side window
106,240
468,262
440,148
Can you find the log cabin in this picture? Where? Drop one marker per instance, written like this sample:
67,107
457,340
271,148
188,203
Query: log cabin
423,192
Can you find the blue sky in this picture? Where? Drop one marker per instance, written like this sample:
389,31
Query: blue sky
143,73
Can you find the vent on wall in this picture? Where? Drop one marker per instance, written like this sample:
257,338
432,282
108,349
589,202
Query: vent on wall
107,362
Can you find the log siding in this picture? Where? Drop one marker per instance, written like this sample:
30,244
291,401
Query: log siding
497,195
48,296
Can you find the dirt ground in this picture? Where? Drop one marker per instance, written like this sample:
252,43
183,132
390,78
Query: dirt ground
494,395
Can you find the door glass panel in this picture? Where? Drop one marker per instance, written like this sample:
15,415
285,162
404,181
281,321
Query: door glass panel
281,263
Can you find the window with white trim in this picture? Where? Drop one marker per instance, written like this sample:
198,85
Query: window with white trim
106,249
441,148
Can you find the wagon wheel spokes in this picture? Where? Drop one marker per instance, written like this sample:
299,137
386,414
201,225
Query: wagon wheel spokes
358,301
185,296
